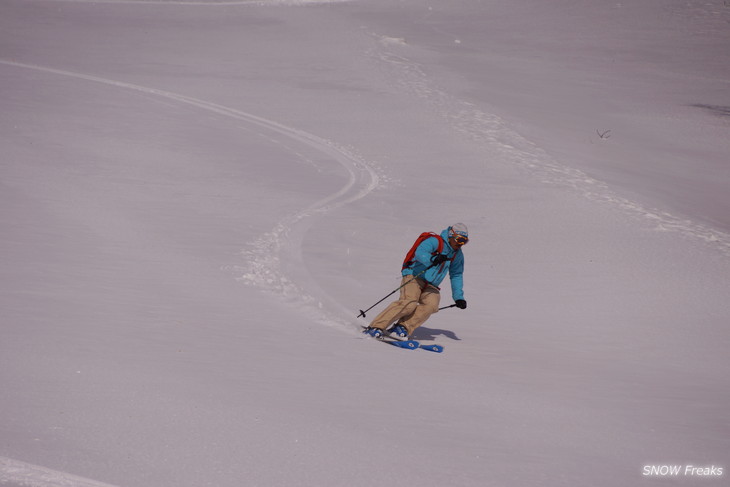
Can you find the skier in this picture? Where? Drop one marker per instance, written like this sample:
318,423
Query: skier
425,266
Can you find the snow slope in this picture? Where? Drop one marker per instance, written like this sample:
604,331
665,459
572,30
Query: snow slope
197,197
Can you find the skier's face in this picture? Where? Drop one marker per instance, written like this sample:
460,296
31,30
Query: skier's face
457,241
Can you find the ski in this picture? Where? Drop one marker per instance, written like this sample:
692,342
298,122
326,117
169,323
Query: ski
430,347
408,344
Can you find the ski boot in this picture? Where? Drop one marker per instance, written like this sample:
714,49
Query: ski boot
400,331
374,332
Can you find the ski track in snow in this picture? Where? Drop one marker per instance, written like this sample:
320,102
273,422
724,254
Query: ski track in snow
491,130
21,474
266,257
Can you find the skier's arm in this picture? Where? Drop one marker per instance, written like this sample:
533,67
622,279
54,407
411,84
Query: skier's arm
456,274
424,252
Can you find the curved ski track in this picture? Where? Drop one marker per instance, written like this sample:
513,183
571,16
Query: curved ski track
266,257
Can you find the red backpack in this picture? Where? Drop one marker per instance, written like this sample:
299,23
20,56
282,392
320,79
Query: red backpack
410,256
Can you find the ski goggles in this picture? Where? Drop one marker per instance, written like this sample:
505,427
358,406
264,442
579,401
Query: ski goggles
459,239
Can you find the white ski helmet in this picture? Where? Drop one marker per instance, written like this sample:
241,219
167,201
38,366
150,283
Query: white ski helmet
458,229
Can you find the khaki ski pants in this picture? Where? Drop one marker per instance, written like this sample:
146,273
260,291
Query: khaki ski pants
417,302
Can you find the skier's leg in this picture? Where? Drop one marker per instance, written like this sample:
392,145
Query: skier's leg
404,306
428,304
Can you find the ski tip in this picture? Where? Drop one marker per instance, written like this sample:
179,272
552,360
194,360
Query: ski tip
409,344
433,348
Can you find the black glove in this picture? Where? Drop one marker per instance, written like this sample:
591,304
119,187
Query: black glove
461,304
439,259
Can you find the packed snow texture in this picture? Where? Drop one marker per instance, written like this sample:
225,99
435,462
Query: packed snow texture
199,196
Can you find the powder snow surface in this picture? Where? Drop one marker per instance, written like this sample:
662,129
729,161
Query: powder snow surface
197,197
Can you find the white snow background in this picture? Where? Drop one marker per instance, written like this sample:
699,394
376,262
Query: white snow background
198,197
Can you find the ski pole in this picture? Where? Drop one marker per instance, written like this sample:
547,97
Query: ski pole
362,313
447,307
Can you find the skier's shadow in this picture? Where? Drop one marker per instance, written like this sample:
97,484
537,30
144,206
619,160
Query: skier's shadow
424,333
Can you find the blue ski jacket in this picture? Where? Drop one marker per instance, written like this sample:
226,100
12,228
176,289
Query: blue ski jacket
434,275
